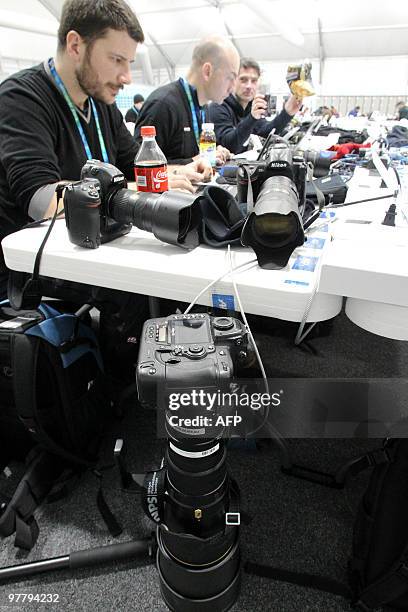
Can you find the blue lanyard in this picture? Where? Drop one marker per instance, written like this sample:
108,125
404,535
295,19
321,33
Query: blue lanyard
78,124
195,111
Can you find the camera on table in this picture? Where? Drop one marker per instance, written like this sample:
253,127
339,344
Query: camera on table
192,350
274,190
99,208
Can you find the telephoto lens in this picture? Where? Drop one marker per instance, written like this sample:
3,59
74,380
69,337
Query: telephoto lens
170,216
274,227
198,556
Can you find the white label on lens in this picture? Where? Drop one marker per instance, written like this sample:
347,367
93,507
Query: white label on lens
191,455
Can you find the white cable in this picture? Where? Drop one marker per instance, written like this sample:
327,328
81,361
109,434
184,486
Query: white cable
286,460
217,280
300,336
258,356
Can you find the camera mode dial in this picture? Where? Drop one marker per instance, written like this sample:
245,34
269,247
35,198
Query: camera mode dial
223,323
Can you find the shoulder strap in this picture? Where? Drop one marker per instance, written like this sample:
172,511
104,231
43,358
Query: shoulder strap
388,588
17,513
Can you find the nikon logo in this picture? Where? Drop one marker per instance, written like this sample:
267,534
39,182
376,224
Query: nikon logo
118,178
278,164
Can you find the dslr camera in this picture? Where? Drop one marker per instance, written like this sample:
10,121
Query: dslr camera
274,190
99,208
188,351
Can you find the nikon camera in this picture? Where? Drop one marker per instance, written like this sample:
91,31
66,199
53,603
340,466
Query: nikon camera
188,350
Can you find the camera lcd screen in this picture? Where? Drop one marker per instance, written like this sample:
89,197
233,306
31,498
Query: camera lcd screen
191,331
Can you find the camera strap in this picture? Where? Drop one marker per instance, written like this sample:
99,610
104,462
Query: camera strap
25,292
153,489
250,192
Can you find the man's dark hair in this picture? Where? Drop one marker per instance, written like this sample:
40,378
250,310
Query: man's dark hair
248,63
138,98
92,19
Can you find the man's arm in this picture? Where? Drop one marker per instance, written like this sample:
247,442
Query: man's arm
264,127
292,106
27,144
227,134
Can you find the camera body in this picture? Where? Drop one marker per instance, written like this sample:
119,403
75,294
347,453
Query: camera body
188,351
86,205
279,162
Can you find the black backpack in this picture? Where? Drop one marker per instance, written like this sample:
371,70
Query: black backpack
53,401
378,566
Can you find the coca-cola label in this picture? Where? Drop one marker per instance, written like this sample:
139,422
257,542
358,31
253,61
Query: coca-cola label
152,178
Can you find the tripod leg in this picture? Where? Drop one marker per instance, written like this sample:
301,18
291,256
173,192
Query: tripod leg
83,558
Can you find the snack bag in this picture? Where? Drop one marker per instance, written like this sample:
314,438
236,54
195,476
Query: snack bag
299,79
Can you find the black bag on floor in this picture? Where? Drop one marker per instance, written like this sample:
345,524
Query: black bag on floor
378,568
379,564
52,394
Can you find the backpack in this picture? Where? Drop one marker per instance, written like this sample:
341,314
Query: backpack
378,569
378,565
53,406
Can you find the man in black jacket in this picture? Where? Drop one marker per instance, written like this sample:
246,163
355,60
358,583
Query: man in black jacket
133,112
243,112
177,110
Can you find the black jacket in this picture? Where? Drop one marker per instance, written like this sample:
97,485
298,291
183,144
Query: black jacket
40,144
168,109
234,124
131,115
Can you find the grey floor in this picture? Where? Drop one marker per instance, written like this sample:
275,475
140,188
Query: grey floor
296,525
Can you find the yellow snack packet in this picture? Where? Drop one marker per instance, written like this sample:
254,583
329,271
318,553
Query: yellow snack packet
299,79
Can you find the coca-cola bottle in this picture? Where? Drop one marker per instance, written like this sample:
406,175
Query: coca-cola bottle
150,163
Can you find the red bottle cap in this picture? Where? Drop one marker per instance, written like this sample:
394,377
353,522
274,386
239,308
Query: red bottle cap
148,130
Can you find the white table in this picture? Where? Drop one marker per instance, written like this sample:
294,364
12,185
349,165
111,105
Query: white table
368,262
140,263
365,263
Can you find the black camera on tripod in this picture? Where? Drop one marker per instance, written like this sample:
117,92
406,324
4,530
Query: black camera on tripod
274,190
192,499
99,208
188,350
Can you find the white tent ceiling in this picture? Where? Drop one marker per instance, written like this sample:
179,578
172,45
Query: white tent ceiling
262,29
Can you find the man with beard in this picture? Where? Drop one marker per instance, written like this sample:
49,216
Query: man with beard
62,112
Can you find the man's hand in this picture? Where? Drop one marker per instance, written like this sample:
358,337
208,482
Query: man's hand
199,169
222,155
259,106
180,181
293,105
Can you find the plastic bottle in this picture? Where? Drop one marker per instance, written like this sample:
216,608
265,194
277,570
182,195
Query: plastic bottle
150,163
208,144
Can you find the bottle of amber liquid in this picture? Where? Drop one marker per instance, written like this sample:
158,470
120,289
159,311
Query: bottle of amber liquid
208,144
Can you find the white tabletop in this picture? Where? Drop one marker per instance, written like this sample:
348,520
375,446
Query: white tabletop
366,262
140,263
